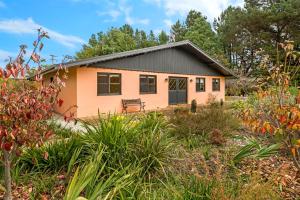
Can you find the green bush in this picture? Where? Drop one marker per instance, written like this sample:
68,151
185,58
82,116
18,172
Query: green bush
205,121
153,146
53,156
141,140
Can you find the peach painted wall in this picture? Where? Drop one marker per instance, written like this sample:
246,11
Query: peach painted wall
88,102
68,93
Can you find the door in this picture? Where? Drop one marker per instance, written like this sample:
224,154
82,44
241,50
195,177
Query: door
177,90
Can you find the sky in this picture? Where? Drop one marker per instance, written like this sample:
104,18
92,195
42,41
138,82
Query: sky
70,23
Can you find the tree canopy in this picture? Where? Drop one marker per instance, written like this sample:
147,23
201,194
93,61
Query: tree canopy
238,38
248,33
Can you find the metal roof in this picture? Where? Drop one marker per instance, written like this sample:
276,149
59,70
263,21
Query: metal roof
186,44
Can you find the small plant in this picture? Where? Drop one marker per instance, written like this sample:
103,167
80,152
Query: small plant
194,106
255,150
198,189
217,137
90,180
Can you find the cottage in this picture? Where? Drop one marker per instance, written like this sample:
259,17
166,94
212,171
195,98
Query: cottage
170,74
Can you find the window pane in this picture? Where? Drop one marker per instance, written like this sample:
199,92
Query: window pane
115,88
182,84
216,84
102,78
152,88
143,80
200,84
115,78
172,84
202,87
102,89
151,79
147,84
197,87
144,88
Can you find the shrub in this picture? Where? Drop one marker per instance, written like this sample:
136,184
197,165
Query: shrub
204,122
153,146
274,111
91,181
140,140
216,137
53,156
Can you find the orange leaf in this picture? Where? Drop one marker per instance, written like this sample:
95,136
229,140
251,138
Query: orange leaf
293,151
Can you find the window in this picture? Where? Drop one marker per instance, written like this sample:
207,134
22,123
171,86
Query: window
200,84
147,84
216,84
108,84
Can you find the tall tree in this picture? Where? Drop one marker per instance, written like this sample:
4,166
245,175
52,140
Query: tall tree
163,38
201,33
117,40
261,25
178,31
192,17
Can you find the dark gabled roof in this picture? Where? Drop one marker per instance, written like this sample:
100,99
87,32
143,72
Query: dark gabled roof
189,46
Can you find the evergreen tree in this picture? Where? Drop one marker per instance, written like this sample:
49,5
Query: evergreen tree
178,31
163,38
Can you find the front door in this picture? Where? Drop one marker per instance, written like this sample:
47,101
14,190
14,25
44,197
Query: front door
177,90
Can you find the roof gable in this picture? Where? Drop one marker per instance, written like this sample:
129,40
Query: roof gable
186,46
172,60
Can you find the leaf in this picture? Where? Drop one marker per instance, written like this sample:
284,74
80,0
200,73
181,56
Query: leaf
293,151
2,188
35,57
60,102
41,46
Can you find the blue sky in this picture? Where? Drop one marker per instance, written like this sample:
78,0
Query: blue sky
71,22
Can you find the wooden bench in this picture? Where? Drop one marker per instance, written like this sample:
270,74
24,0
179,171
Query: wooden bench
132,102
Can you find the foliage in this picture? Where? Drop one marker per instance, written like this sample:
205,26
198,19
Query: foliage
199,189
198,30
53,156
153,146
204,121
273,109
25,105
255,150
91,180
119,40
140,140
260,25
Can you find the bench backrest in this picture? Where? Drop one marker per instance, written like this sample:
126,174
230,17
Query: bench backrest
131,101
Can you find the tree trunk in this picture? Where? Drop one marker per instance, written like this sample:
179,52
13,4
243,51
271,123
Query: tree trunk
7,176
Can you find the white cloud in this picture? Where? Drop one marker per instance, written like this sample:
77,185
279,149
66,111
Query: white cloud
126,10
211,9
113,14
2,4
28,26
